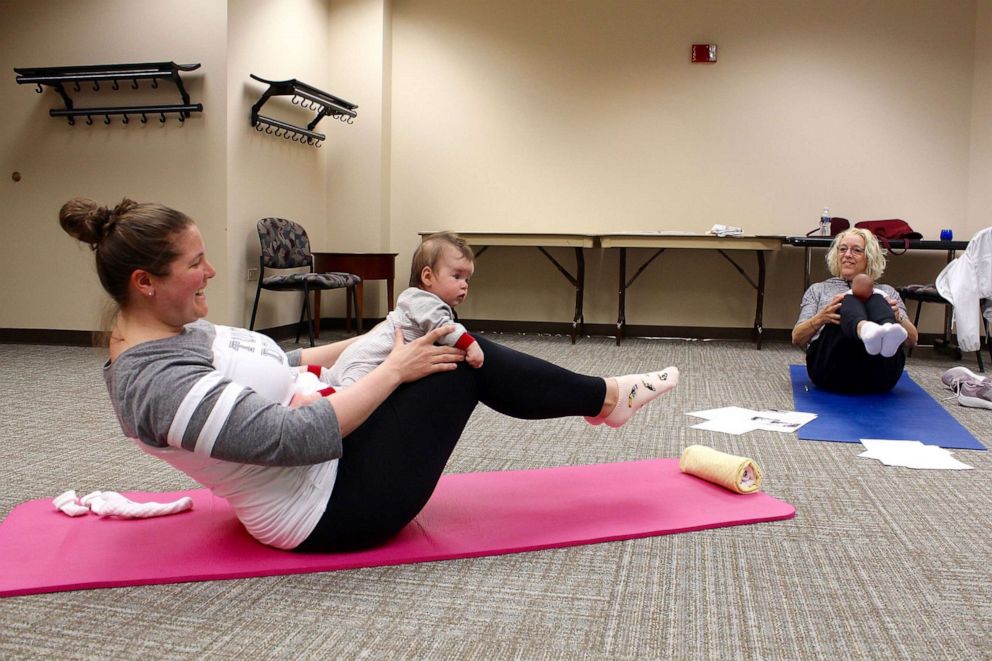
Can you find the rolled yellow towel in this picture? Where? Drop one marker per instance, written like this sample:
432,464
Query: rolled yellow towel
739,474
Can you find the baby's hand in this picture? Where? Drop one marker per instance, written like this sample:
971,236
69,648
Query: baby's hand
301,399
474,355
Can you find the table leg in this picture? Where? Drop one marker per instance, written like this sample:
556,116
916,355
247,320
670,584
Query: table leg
622,297
578,321
806,258
360,295
759,310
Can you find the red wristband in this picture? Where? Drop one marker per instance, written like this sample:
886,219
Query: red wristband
464,342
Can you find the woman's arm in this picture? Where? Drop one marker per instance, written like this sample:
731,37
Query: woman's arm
807,328
406,362
912,334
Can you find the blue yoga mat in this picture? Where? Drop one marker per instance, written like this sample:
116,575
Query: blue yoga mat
906,412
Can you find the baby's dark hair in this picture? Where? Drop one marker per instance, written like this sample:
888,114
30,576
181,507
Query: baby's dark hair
128,237
430,250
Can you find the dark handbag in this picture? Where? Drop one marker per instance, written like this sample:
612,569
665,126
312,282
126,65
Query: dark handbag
893,229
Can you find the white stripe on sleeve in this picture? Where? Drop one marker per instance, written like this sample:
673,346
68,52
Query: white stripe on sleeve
188,406
216,419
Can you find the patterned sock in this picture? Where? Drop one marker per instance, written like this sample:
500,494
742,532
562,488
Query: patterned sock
68,504
111,503
636,390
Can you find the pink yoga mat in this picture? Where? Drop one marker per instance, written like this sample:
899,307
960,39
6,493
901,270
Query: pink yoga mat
470,515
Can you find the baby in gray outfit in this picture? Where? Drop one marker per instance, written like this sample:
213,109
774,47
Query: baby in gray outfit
442,266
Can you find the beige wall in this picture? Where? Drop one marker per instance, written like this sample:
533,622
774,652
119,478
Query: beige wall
980,179
358,154
48,278
587,115
271,176
580,115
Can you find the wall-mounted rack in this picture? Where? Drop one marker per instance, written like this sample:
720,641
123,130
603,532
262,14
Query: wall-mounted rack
307,97
59,77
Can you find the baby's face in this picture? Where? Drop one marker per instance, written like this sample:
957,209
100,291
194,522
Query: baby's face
449,279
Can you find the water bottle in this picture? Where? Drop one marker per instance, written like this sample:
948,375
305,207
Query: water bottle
825,222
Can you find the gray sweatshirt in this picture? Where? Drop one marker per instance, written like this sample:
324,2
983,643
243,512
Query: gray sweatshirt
205,401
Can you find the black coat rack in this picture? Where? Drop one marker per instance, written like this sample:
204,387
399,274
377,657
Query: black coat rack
307,97
59,77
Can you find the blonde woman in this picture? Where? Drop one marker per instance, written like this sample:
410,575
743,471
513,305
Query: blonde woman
854,339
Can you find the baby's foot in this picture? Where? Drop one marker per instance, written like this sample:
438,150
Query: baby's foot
636,390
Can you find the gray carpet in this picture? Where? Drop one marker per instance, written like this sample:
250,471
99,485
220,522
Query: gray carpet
884,563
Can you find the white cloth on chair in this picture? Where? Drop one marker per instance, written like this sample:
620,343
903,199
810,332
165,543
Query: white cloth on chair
965,282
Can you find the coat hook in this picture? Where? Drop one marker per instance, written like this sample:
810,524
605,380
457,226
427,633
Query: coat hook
89,120
161,117
134,84
115,86
318,144
39,89
144,118
268,129
182,119
295,100
75,84
72,120
96,85
125,120
155,83
106,119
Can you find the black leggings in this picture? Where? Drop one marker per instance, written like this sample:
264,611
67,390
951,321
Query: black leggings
838,361
393,461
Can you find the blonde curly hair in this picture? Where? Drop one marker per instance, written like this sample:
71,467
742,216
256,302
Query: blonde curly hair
874,257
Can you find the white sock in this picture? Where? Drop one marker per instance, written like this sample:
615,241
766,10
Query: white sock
67,503
893,335
871,334
636,390
111,503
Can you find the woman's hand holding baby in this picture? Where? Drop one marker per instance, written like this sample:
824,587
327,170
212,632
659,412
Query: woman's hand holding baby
421,357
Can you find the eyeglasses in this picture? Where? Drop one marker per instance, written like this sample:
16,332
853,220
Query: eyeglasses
854,250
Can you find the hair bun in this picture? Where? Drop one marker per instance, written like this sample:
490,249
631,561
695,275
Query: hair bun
89,222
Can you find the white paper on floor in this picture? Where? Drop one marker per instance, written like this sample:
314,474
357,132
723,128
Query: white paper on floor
910,454
737,420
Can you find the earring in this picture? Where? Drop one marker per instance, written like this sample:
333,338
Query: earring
151,292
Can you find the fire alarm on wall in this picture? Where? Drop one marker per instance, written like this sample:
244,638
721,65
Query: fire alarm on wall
703,53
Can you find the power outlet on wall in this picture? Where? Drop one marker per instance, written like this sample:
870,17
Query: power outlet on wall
252,274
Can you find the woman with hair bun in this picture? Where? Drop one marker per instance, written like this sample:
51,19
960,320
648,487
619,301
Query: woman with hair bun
853,329
314,472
